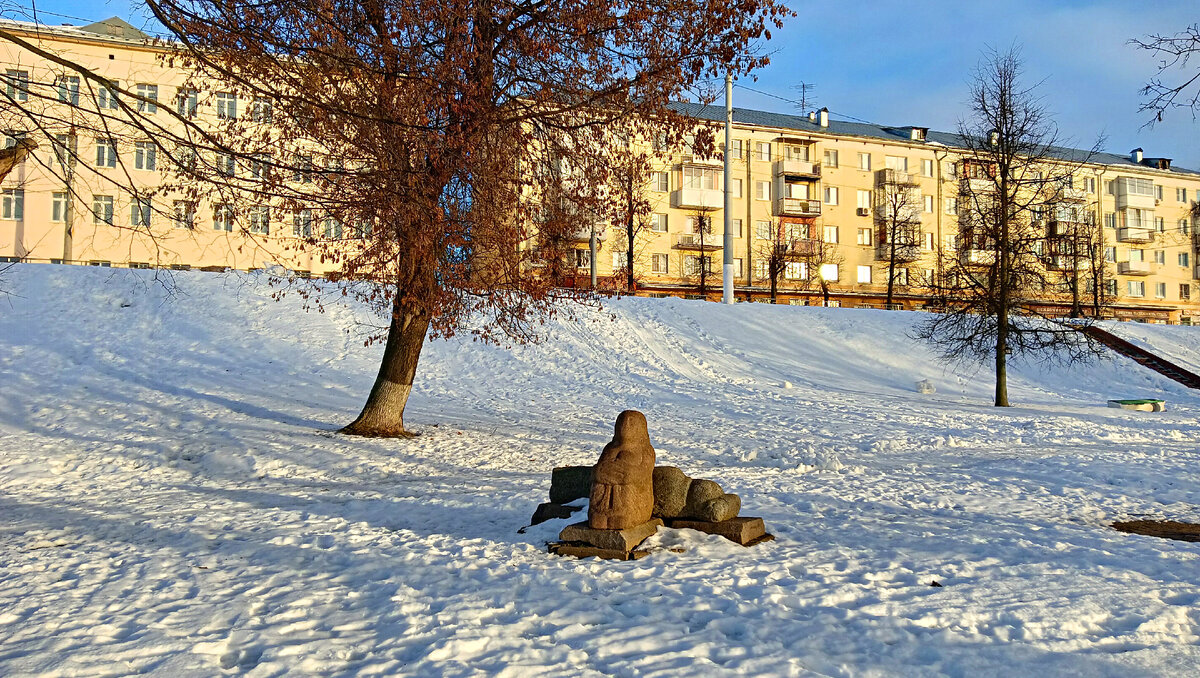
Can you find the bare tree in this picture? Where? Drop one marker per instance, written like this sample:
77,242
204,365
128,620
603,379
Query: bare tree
699,239
898,206
1011,165
1174,85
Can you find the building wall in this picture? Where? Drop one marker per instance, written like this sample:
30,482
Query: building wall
39,237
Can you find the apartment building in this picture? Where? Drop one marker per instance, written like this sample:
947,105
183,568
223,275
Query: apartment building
808,185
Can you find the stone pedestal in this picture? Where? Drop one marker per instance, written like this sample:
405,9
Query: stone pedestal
613,540
745,531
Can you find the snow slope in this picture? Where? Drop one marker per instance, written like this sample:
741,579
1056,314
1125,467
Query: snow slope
172,499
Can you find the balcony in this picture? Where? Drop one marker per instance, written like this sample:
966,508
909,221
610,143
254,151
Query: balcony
698,198
1134,268
694,241
798,168
1134,234
977,257
891,177
904,252
1135,200
1061,262
584,234
803,247
972,186
1072,194
798,207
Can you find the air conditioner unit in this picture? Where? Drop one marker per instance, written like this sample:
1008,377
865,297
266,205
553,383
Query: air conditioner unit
863,212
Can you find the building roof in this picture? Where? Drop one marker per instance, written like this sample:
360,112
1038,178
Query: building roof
900,133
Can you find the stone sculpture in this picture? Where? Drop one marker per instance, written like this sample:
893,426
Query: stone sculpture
622,494
678,496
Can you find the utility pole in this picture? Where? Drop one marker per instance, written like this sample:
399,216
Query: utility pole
727,277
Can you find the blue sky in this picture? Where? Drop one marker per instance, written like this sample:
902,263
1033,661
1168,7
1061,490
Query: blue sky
908,63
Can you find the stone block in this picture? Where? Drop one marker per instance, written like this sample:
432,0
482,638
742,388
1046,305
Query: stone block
568,483
670,491
744,530
721,509
616,540
587,551
552,511
1141,404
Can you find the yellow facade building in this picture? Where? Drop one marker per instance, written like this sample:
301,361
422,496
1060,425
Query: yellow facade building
806,184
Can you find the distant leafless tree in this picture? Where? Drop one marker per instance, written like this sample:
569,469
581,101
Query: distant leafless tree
1012,164
898,206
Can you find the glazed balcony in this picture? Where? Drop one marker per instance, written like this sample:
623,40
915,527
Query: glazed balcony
1135,234
1134,268
798,207
698,198
905,252
798,168
707,242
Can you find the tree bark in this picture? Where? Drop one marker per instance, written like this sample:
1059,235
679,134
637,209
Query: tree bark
1002,361
383,415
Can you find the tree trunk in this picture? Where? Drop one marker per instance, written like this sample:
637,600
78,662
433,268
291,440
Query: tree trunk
1002,363
630,284
825,293
383,415
891,273
774,280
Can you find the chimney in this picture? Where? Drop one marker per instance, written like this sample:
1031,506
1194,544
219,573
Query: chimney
812,116
1136,155
824,117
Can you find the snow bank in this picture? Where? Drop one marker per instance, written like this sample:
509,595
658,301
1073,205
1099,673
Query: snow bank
174,501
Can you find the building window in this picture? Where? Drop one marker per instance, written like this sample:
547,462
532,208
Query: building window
618,261
140,212
226,106
737,268
261,110
735,149
951,205
735,188
735,227
1160,256
1158,192
223,217
1110,255
304,169
187,101
831,195
58,206
226,165
183,214
12,204
799,153
928,204
102,209
260,220
332,229
831,234
658,263
830,272
1137,254
147,98
926,168
864,236
929,242
66,148
1091,184
1160,224
68,89
901,276
1184,259
762,230
762,150
106,96
660,182
106,153
864,161
831,158
260,166
1185,291
795,270
896,162
864,275
1182,226
864,200
762,190
1137,288
16,84
658,223
302,224
1160,290
145,155
949,169
1181,195
703,178
583,258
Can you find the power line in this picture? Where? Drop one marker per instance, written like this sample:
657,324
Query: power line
798,103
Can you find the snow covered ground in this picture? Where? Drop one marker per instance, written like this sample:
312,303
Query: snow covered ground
172,499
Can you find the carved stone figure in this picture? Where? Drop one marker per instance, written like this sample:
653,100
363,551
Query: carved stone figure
678,496
622,493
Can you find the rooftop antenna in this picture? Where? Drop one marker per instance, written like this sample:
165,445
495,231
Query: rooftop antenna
806,97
